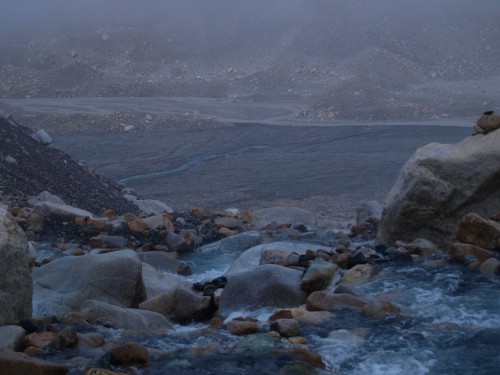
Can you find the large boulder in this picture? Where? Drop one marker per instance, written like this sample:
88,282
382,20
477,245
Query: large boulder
268,285
63,285
16,289
440,184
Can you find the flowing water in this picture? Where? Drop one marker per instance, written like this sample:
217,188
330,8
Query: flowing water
450,325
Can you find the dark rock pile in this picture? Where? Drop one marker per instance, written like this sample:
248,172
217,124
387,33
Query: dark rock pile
30,165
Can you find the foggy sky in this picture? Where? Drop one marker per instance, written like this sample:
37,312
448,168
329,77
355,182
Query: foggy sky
33,17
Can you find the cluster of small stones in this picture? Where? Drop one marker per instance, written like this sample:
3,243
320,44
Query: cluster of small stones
175,234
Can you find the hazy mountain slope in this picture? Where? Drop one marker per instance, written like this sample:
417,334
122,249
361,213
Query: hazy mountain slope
269,48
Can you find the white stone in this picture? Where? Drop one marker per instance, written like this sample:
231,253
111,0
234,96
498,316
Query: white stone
60,212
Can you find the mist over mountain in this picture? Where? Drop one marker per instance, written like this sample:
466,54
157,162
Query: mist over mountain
355,60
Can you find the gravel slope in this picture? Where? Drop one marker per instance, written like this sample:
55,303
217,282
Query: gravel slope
28,167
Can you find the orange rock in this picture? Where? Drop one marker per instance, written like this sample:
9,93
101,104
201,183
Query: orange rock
298,340
110,214
226,232
241,327
129,354
38,340
137,226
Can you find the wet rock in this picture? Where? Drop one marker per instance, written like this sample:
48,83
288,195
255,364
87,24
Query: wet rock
129,354
266,285
438,186
326,301
234,244
90,340
165,263
299,354
282,215
64,284
303,315
358,274
140,321
250,258
162,304
467,253
20,364
358,258
478,231
209,287
177,243
38,339
490,267
65,338
349,289
158,283
275,256
381,310
191,307
419,246
16,288
11,337
286,327
241,327
318,276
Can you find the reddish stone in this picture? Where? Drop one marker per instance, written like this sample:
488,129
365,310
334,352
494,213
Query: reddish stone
131,353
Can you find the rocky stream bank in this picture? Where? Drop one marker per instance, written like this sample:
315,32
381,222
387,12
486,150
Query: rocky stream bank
127,291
